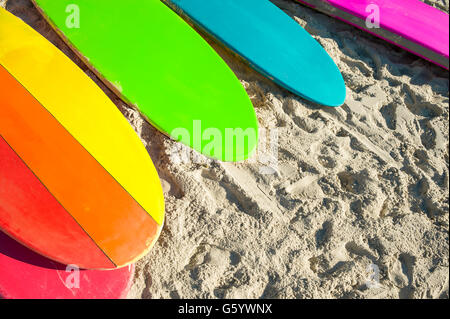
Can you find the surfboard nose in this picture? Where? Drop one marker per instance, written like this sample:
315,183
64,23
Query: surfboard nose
340,94
329,89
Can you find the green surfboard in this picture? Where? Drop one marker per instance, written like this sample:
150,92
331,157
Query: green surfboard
158,64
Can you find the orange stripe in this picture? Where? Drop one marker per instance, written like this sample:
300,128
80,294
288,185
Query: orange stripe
111,217
24,202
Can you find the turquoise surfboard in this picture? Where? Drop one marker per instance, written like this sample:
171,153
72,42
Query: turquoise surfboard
271,42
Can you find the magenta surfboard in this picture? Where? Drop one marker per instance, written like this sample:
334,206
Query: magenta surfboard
410,24
27,275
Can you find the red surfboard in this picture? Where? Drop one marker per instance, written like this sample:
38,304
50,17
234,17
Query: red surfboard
27,275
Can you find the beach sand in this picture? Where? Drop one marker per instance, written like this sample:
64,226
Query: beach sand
356,189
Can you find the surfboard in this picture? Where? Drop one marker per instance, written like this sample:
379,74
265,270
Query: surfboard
76,183
158,64
27,275
410,24
272,43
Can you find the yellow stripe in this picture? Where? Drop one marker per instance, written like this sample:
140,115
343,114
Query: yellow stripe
82,108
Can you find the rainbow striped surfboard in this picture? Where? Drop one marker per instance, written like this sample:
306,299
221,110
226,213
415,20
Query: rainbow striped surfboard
76,183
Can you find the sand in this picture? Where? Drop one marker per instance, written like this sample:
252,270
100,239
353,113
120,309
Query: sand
349,191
